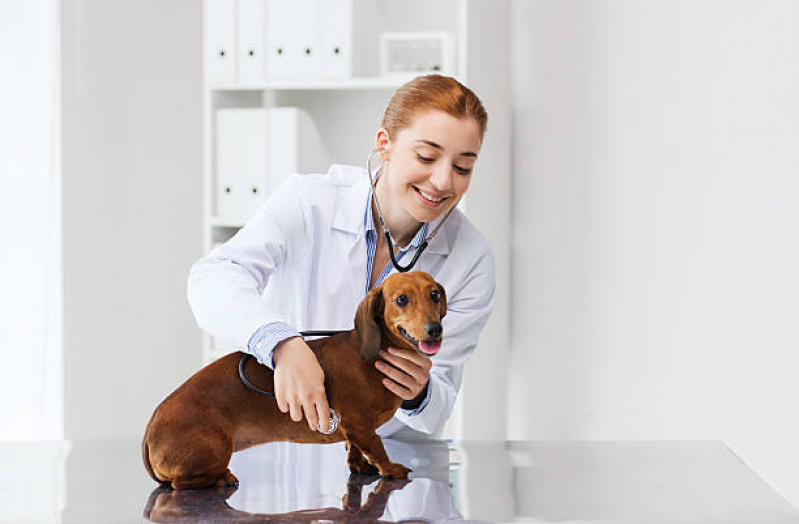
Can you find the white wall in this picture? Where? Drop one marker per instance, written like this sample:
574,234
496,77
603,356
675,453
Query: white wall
656,218
132,207
31,371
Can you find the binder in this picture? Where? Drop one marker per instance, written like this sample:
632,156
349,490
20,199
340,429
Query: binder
219,24
337,39
281,48
307,38
251,41
241,180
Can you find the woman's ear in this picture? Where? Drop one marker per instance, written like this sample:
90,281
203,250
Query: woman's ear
382,143
442,304
367,323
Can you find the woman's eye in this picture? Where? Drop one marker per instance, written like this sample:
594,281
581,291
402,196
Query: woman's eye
435,296
425,159
402,300
462,170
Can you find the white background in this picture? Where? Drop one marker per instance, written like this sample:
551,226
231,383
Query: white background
656,225
655,206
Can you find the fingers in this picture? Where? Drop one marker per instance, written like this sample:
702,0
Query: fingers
407,379
299,384
323,415
401,391
408,362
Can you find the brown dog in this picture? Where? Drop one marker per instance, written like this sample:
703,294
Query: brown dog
194,431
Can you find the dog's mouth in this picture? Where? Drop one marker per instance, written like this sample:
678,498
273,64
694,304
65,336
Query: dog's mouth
428,347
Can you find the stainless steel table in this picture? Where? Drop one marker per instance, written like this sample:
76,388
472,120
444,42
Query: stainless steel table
103,481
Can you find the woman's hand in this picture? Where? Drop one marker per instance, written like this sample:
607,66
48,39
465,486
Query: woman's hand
300,384
409,374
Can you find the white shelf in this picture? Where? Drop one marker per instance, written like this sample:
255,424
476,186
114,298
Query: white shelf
225,222
392,82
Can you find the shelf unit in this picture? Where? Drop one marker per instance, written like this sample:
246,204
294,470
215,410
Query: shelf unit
358,102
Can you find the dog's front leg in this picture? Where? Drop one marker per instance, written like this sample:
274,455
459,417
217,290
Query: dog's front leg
372,448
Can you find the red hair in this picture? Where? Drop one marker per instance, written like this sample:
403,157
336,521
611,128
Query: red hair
432,92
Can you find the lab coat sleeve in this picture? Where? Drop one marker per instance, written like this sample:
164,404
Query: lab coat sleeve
468,310
225,286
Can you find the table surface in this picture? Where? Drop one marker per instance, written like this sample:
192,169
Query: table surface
99,481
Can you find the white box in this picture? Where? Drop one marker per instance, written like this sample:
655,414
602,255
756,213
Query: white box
241,177
417,53
251,41
219,22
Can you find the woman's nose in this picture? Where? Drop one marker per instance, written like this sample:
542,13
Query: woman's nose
441,178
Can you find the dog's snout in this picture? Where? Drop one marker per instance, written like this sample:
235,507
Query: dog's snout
433,329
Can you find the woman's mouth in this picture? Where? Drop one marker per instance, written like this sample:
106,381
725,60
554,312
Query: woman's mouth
428,199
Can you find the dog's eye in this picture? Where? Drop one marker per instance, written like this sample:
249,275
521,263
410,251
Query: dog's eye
435,295
402,300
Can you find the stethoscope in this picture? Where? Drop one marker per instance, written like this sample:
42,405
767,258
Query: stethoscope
389,238
335,418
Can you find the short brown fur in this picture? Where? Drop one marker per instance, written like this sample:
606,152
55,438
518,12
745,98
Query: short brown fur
195,430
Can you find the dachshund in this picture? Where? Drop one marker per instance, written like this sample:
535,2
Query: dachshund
192,434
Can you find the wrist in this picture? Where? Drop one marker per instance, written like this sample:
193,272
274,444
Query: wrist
280,348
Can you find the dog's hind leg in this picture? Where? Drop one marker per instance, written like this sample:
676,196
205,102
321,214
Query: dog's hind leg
372,448
357,462
207,481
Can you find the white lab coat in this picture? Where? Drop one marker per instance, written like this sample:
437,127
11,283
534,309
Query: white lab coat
301,259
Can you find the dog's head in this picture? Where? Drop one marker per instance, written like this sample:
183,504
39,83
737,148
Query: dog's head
407,308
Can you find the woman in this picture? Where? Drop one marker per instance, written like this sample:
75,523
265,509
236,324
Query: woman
314,249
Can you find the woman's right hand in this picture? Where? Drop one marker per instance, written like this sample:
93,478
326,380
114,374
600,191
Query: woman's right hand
300,384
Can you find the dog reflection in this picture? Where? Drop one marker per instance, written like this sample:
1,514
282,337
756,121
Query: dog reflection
166,505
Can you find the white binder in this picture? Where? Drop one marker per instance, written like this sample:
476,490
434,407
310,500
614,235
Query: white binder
241,162
337,39
220,41
251,41
307,37
281,46
295,145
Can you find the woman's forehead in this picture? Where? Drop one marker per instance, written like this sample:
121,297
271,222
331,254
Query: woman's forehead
440,130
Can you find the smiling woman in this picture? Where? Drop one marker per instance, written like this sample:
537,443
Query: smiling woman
315,248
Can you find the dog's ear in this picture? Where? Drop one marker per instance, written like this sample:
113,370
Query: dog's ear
366,322
442,305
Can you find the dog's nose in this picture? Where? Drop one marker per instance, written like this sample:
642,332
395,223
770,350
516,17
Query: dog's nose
433,329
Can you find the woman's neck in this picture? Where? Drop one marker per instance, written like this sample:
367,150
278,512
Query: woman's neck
403,227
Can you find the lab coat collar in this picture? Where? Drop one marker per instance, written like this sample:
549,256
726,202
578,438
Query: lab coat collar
350,207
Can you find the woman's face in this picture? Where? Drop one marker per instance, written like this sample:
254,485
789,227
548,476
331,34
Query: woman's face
430,163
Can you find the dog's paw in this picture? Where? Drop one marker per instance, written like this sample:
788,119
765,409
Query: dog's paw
228,480
395,471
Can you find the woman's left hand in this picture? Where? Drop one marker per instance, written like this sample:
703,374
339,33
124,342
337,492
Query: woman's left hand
409,374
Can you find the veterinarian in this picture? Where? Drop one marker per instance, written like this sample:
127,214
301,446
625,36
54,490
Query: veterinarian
309,255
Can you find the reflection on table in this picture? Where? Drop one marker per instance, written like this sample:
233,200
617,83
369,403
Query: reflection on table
285,482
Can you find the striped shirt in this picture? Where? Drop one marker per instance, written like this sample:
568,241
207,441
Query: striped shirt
263,342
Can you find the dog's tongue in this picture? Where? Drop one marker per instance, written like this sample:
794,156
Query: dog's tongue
431,347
